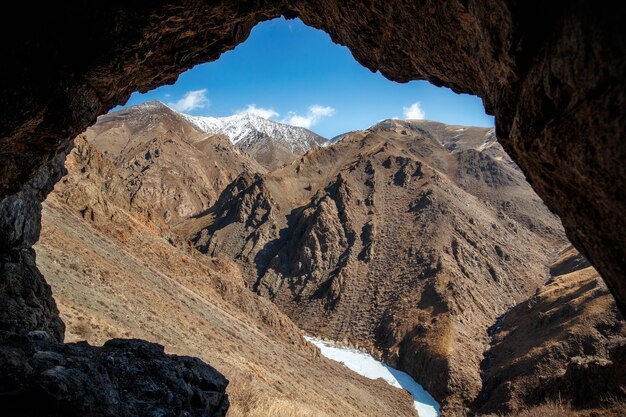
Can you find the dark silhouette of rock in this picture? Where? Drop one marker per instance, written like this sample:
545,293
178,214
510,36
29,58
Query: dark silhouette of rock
26,300
123,378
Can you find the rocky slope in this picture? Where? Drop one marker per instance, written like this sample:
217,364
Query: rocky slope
408,239
271,143
167,160
181,163
129,276
139,379
567,341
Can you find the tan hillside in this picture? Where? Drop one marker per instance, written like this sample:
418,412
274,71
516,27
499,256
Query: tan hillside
115,273
167,160
567,341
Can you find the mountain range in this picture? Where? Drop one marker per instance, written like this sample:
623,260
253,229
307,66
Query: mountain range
419,242
268,141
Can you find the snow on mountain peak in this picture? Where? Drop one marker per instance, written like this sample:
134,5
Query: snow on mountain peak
244,129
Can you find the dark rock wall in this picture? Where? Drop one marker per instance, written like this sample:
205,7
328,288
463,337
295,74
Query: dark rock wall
26,299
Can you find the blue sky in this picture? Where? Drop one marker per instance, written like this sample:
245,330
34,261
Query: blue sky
293,73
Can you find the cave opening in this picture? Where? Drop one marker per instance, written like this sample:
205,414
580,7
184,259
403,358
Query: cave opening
285,169
506,78
162,161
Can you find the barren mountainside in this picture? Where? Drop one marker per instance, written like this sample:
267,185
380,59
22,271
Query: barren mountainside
163,158
408,239
128,276
566,341
417,241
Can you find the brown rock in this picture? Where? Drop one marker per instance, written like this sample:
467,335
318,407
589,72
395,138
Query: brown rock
415,280
565,343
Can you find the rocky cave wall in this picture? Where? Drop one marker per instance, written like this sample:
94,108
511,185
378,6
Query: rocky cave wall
551,72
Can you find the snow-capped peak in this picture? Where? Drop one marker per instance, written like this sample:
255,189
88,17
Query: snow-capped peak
245,129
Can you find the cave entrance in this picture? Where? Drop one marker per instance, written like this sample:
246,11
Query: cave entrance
288,169
552,75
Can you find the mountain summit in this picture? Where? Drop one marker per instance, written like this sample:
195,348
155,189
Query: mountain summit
271,143
243,129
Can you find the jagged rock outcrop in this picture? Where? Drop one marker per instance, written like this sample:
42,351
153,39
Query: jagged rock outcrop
42,377
244,216
412,239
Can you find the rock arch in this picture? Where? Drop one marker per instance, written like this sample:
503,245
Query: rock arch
551,72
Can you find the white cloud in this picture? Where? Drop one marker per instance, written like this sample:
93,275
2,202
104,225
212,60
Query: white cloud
295,120
192,100
414,111
313,116
259,111
321,111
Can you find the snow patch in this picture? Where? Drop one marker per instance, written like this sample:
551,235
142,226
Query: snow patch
366,365
244,129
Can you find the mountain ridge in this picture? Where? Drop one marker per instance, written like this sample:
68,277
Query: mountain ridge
409,239
273,144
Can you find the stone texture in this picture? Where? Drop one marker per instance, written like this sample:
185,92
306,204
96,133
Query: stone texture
27,302
123,378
